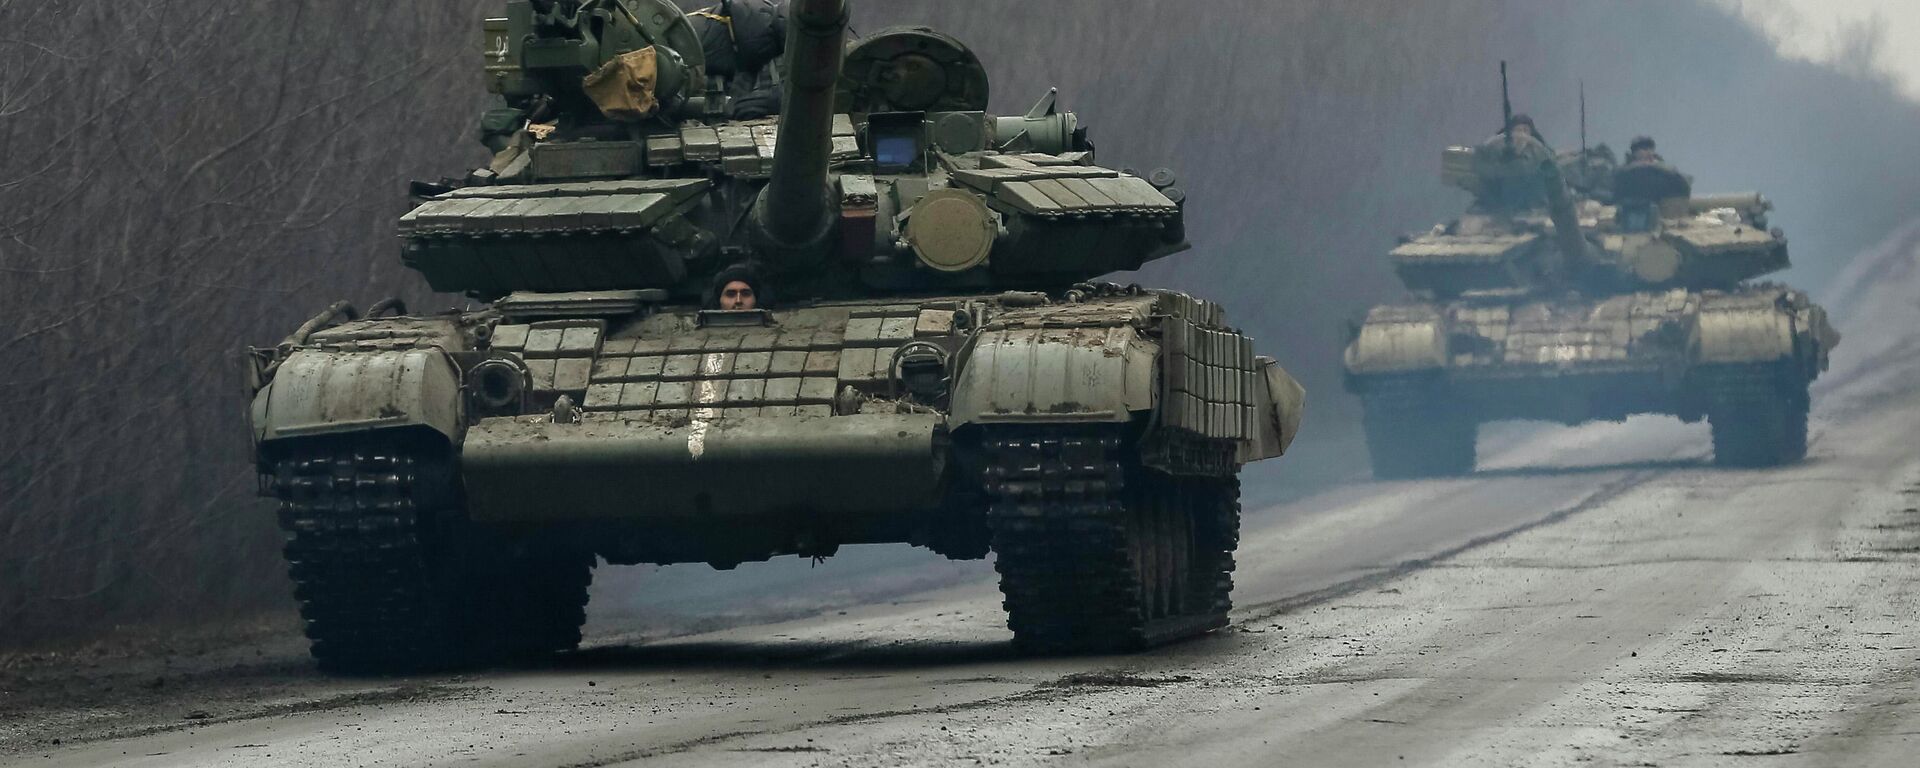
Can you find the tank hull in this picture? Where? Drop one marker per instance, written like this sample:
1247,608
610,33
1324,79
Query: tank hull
672,434
1690,354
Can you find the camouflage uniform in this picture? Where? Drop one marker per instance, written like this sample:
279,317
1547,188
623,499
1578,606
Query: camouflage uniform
1509,173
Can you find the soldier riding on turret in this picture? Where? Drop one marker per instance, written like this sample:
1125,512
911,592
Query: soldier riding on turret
1507,166
743,41
1520,126
1647,188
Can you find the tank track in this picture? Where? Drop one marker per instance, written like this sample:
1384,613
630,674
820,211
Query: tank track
378,579
1092,547
532,604
1758,414
357,551
1412,434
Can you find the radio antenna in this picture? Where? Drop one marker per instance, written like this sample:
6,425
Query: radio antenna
1583,119
1506,104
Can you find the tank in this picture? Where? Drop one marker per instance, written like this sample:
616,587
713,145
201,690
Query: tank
1576,290
930,359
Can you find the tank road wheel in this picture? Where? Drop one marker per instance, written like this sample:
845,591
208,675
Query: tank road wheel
1412,432
387,581
1098,553
1758,416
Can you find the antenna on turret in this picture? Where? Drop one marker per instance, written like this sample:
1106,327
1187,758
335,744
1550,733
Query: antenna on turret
1506,106
1583,120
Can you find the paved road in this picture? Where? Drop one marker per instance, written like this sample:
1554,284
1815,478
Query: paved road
1593,596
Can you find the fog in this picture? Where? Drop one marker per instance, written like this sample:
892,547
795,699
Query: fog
185,178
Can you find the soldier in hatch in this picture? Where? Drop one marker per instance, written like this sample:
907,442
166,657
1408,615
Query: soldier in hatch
1647,178
1642,150
1590,172
743,41
1646,188
1521,127
737,287
1508,166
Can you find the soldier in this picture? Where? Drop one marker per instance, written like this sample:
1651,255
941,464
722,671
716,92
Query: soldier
1647,189
736,288
1642,151
743,41
1647,178
1508,167
1521,126
1590,172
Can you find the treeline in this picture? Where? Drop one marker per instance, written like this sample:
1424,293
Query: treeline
184,178
181,179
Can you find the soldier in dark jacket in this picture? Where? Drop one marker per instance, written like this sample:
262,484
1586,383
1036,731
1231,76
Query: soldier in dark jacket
743,41
1646,176
1643,150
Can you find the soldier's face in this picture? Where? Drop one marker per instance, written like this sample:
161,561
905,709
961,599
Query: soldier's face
1643,155
738,295
1522,129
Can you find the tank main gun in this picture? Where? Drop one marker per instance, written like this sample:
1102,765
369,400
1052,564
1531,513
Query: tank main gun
794,213
1572,243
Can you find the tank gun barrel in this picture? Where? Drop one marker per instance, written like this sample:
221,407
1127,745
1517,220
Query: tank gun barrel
1566,220
793,212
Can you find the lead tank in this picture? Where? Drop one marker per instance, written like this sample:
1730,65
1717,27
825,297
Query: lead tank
941,369
1551,301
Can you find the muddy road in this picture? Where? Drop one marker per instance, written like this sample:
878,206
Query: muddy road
1598,595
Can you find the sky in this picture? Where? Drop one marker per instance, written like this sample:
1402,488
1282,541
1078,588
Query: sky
1824,30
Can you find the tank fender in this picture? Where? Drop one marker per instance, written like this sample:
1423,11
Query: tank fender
1398,340
326,392
1279,413
1818,337
1744,331
1040,375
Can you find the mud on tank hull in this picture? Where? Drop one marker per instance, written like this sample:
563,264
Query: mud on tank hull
1429,373
597,425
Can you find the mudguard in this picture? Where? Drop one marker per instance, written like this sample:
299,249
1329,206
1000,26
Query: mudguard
750,471
1043,375
1399,340
1745,329
1818,337
322,392
1278,414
